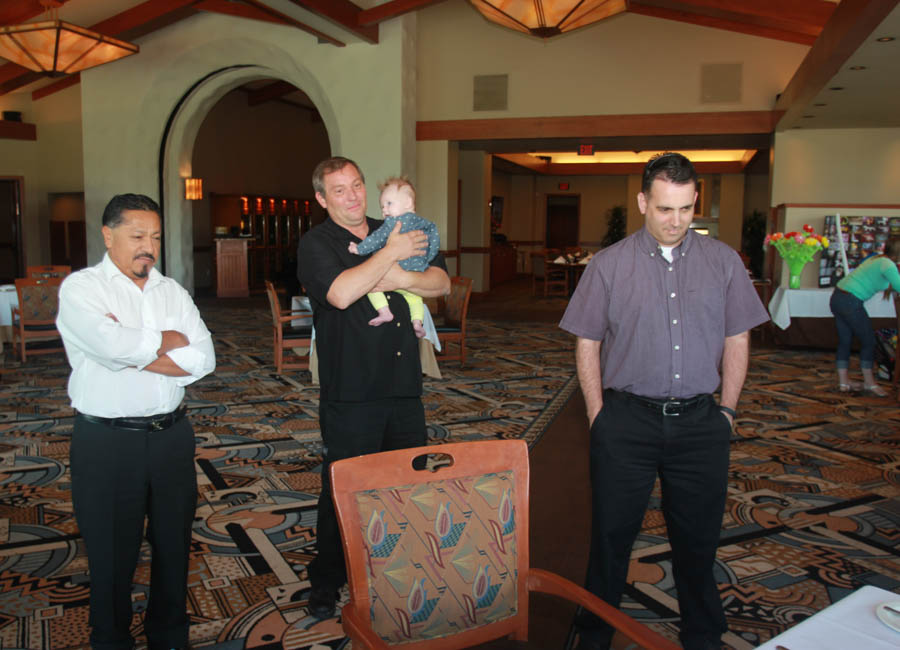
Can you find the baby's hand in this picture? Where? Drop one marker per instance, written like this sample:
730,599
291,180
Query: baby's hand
353,248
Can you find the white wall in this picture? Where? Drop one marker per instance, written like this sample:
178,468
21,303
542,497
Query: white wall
836,166
359,91
475,174
51,164
625,64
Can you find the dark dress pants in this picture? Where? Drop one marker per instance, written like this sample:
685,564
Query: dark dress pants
353,429
630,446
851,319
120,476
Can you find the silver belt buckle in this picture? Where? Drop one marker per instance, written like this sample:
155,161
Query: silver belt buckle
157,425
666,407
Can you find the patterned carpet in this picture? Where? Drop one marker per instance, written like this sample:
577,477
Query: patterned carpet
813,512
258,460
814,505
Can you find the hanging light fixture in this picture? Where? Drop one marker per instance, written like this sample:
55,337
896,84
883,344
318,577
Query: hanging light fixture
546,18
56,48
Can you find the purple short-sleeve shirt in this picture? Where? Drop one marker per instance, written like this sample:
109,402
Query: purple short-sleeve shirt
663,324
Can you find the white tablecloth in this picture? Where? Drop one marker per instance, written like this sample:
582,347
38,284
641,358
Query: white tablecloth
813,303
849,624
8,300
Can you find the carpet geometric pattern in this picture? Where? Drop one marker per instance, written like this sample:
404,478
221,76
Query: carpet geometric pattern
258,460
813,509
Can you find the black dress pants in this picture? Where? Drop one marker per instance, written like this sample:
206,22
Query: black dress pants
119,477
630,446
353,429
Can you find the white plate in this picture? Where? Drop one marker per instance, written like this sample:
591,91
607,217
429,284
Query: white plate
886,616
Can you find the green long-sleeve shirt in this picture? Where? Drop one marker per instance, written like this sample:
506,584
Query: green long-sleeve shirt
870,277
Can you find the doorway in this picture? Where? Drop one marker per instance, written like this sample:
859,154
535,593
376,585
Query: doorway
12,262
562,220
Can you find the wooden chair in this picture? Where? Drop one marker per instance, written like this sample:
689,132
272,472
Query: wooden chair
34,319
438,558
554,281
286,336
47,271
453,327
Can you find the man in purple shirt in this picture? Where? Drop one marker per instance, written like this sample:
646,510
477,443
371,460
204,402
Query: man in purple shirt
657,315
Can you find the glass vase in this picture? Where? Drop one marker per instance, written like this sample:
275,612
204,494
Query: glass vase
796,268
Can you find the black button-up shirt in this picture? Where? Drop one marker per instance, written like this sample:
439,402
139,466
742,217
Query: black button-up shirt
357,362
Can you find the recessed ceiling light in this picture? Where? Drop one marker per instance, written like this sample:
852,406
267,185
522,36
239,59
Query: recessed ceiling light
820,104
885,39
857,67
836,88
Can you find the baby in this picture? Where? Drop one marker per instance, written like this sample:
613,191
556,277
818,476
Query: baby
398,203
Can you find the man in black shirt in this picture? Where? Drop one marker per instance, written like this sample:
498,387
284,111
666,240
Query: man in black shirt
370,377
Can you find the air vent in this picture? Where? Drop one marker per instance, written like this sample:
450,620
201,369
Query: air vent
489,92
720,83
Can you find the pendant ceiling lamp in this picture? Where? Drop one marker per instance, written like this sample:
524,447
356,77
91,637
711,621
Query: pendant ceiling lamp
56,48
546,18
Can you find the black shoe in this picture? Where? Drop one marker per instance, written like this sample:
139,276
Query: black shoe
322,602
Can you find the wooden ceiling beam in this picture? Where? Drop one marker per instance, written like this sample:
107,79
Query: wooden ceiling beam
587,126
343,13
645,8
269,92
229,8
294,22
390,10
851,24
56,86
805,16
13,13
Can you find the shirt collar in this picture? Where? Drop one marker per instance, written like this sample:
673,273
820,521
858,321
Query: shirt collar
650,246
110,270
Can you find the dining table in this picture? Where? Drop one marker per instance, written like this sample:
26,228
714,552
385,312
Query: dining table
859,621
573,268
427,345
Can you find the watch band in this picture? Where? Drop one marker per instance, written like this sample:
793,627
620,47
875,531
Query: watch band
728,410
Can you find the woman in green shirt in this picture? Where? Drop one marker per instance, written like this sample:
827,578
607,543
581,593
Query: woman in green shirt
876,273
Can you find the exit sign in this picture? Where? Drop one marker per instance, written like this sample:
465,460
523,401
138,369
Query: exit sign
564,186
585,150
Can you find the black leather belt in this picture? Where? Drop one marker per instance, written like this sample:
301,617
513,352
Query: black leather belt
148,423
669,406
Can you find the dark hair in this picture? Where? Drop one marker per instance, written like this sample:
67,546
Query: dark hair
669,166
328,166
112,214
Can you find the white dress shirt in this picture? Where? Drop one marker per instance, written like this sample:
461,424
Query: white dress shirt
108,357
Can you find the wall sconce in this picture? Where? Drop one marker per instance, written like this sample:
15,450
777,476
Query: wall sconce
193,189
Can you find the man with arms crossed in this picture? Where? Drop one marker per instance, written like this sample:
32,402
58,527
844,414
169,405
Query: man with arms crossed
134,340
370,377
657,315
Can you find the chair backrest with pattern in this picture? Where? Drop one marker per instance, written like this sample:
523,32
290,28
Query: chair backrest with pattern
57,271
439,552
456,305
38,298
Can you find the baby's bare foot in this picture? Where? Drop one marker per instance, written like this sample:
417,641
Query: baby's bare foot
384,316
419,328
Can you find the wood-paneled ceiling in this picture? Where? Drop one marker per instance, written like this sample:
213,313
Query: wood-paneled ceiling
841,35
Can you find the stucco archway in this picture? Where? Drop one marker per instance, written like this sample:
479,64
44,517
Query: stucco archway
178,144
